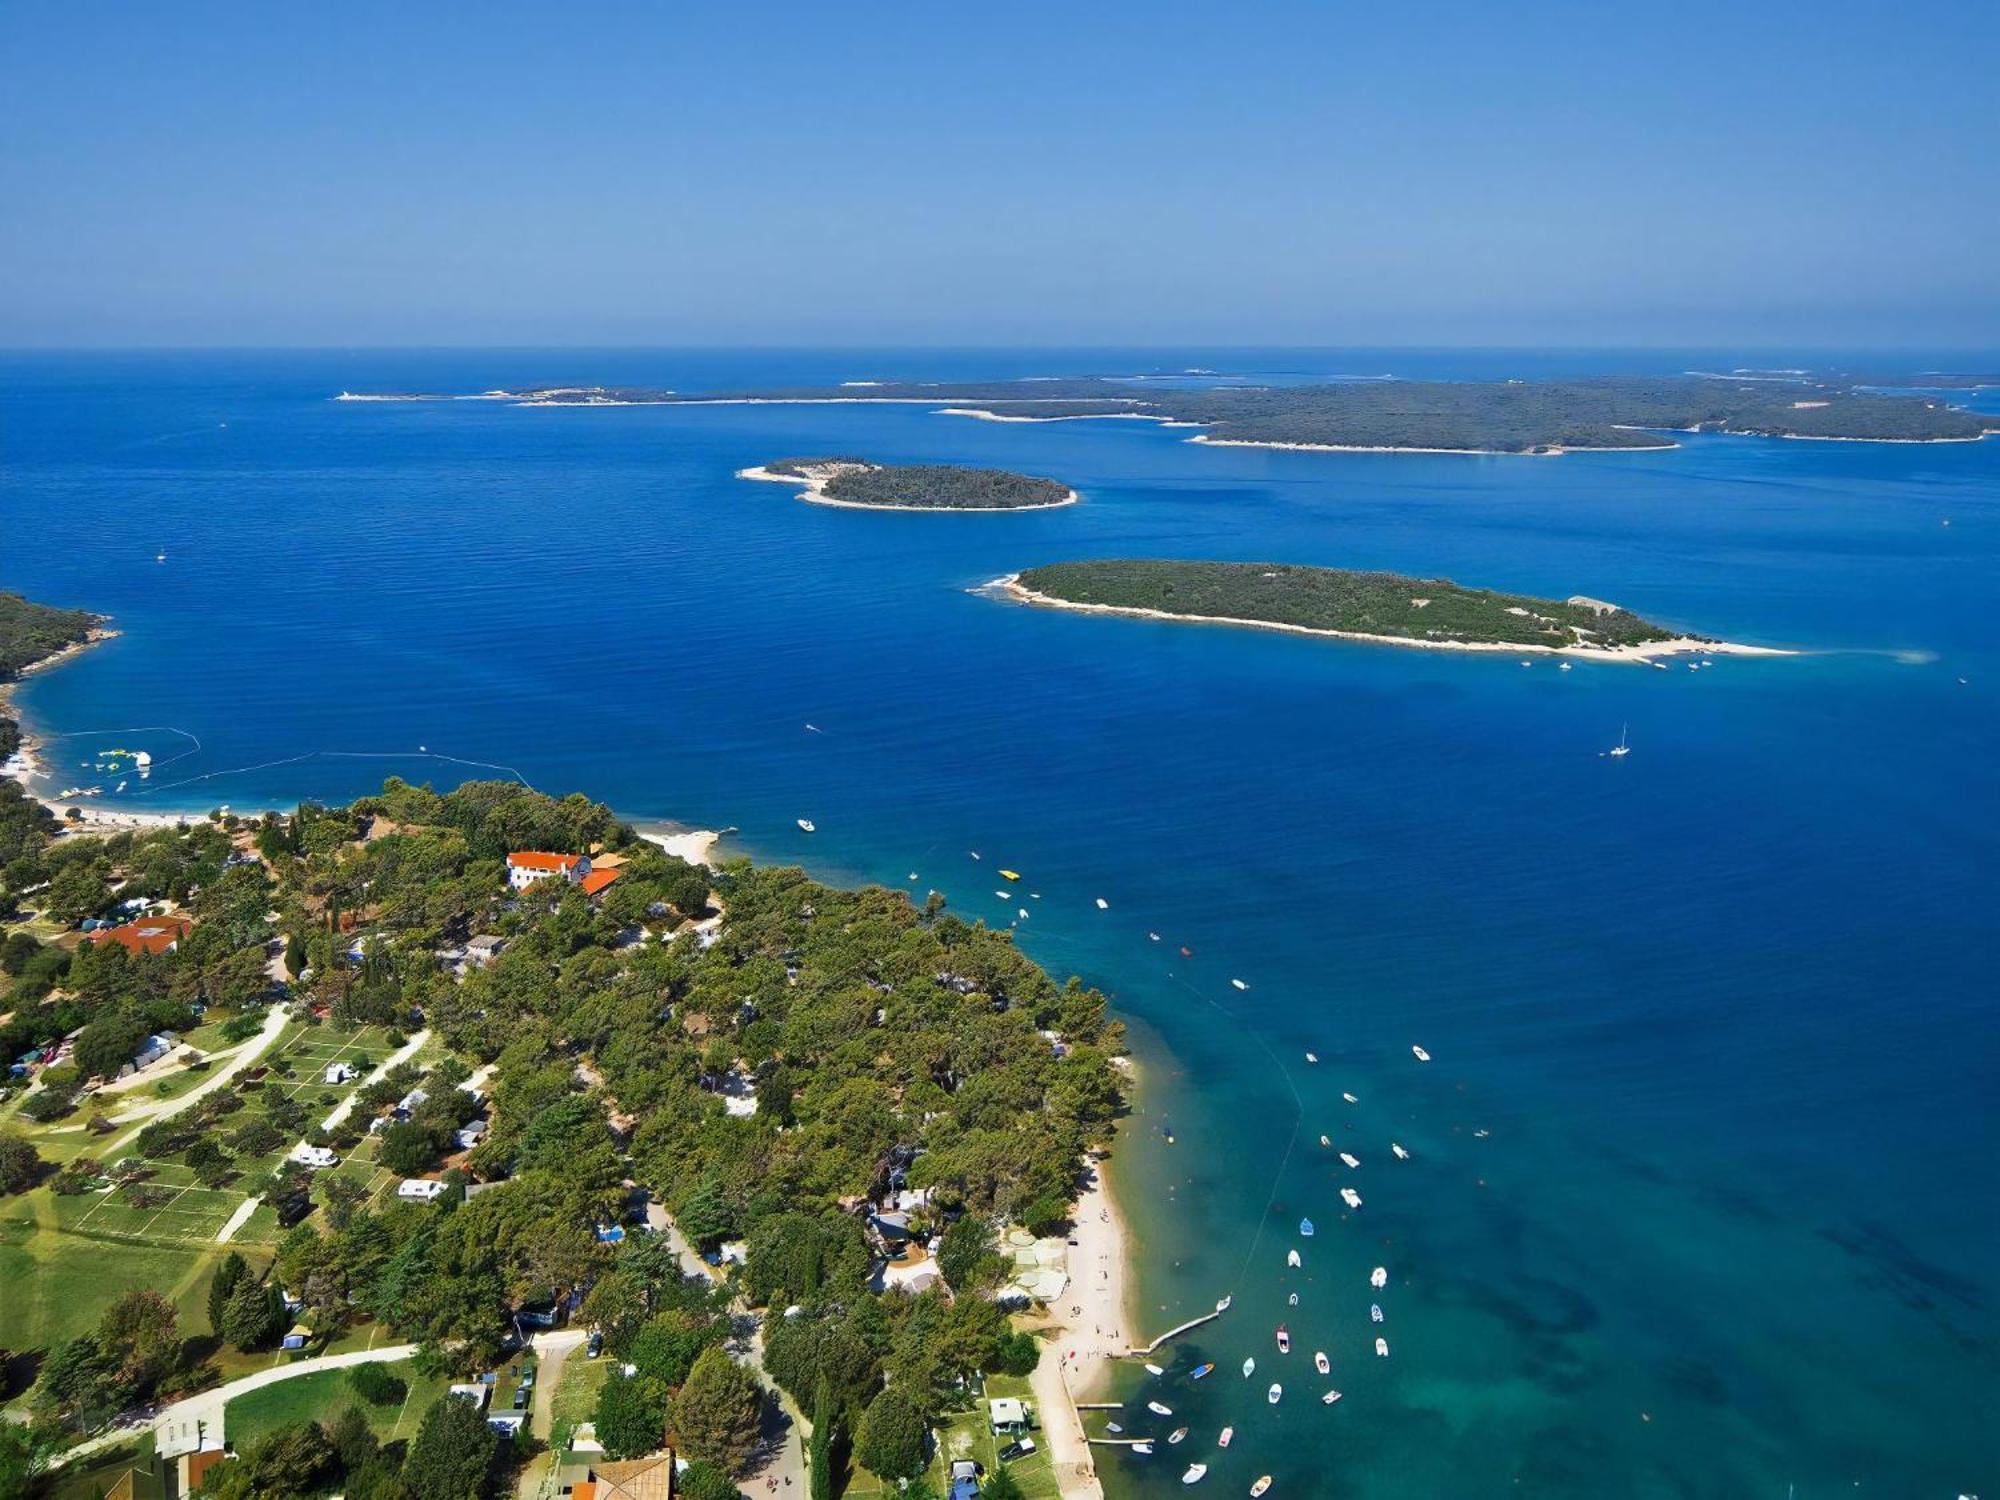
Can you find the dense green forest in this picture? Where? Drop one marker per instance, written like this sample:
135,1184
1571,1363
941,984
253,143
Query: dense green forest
885,1045
1421,609
1512,416
922,486
30,631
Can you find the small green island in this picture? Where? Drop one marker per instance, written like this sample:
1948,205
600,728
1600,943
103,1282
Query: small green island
1385,607
872,486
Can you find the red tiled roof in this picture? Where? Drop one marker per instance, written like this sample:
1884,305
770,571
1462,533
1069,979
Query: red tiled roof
597,880
147,935
535,859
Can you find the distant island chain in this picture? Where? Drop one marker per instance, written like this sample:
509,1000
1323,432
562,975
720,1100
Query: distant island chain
1433,416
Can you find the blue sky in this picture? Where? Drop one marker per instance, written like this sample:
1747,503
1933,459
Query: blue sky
1415,173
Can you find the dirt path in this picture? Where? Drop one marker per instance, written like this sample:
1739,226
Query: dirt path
166,1109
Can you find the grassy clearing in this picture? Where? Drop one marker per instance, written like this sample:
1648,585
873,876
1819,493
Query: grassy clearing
575,1399
320,1397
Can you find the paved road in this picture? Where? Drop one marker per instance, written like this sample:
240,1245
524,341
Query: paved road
165,1109
395,1059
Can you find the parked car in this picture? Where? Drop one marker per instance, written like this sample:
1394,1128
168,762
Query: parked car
1020,1449
520,1397
595,1346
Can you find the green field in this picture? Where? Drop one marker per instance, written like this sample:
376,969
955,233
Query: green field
320,1397
965,1434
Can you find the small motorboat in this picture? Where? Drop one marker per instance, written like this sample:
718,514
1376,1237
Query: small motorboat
1195,1474
1306,1227
1222,1306
1480,1135
1563,667
1102,904
806,825
1154,1370
1010,874
1330,1397
1159,1409
1154,936
1400,1153
1275,1394
1187,952
1284,1340
1382,1348
1350,1098
1379,1277
913,874
1202,1372
1144,1450
1249,1368
1263,1483
1239,984
1420,1054
1350,1158
1351,1198
1176,1435
1113,1427
1224,1438
1374,1312
1004,895
1292,1258
1321,1363
1312,1057
1324,1141
973,852
1293,1300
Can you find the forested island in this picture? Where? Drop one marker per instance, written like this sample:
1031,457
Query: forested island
31,635
1511,416
509,1058
1338,601
858,482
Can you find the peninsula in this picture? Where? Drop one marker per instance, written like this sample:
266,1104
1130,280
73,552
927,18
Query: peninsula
871,486
1416,416
1383,607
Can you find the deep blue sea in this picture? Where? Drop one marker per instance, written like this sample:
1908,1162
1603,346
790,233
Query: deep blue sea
1724,1010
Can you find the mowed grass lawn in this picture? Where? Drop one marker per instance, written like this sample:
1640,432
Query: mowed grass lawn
321,1397
56,1285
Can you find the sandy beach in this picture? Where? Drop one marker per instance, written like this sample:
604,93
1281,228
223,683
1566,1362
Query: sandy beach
812,490
1009,586
695,845
1086,1330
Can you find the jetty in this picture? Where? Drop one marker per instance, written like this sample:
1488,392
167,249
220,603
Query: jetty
1100,1406
1174,1333
1121,1442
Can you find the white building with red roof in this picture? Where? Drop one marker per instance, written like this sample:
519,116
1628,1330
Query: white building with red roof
527,866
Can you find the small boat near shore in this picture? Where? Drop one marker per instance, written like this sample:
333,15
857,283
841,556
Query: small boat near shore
1222,1304
1399,1153
1102,904
1374,1312
1306,1228
1382,1348
1224,1438
1350,1098
1321,1363
1195,1474
1154,1370
1324,1141
1176,1435
1350,1159
1275,1394
1144,1450
806,825
1202,1372
1351,1198
1330,1397
1379,1277
1010,874
1292,1258
1293,1300
1263,1483
1239,984
1313,1058
1284,1340
1249,1368
1159,1409
1420,1054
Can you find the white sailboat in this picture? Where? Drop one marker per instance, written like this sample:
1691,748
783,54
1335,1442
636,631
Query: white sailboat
1622,748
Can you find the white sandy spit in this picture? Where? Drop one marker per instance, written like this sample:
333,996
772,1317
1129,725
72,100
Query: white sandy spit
1551,452
695,845
815,480
1010,587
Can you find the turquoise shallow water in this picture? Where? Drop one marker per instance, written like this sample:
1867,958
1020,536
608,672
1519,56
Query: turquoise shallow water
1724,1009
